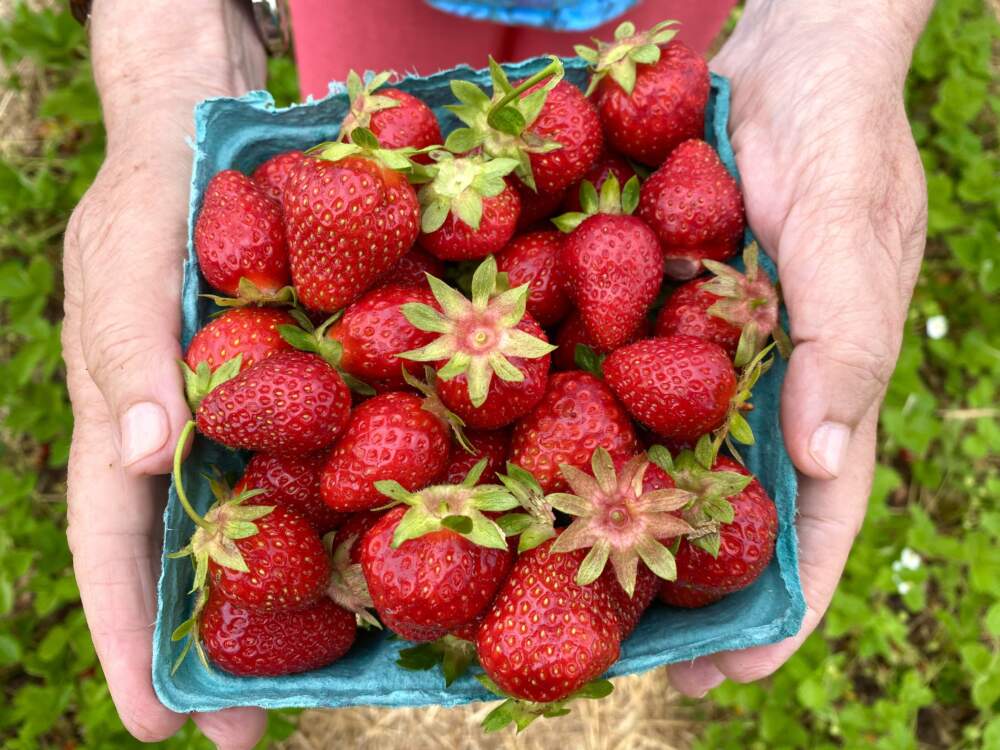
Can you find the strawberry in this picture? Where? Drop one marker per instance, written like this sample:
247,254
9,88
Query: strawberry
493,445
292,482
259,556
679,386
397,119
543,122
577,414
250,331
395,436
436,563
611,262
532,259
372,333
350,217
686,313
737,311
535,207
735,525
489,335
608,165
353,530
412,269
272,175
252,643
630,608
546,636
695,207
572,334
239,235
651,94
292,402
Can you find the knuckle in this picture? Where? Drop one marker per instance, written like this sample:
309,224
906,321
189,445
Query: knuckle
871,358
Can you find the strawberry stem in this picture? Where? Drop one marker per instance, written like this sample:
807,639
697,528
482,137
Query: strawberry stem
178,484
547,72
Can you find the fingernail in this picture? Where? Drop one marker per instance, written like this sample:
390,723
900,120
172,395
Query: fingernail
828,445
712,679
144,430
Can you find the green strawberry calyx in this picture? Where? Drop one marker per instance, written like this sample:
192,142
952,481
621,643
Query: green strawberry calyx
308,337
501,126
454,655
248,293
457,187
347,585
477,335
459,508
364,102
709,508
188,631
201,380
521,713
534,522
617,520
749,301
613,199
629,49
228,520
362,142
434,405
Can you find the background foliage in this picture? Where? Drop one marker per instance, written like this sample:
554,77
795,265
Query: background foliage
909,655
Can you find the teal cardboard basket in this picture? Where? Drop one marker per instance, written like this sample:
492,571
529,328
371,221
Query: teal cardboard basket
559,15
241,133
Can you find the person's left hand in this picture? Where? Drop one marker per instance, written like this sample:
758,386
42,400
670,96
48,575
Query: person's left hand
835,193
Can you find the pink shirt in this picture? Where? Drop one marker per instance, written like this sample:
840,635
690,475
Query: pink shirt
333,36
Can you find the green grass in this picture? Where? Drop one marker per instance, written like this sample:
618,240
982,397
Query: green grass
906,658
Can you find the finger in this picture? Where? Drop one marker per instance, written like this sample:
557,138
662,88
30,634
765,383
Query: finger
843,295
233,728
130,324
830,515
695,678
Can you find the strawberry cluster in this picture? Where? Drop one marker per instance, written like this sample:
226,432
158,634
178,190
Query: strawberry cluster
425,460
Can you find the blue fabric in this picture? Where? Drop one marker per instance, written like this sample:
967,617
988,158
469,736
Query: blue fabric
560,15
241,133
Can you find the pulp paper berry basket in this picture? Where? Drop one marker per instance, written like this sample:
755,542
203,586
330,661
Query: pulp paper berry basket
565,15
240,134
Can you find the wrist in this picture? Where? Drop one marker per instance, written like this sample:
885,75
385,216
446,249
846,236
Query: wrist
154,65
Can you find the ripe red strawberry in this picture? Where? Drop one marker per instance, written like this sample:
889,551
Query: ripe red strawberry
612,265
695,207
631,608
569,119
250,331
545,635
373,331
426,583
532,259
398,119
350,218
291,481
679,386
608,165
650,94
468,209
391,436
571,333
252,643
292,402
679,595
353,529
493,445
272,175
239,234
536,208
686,313
577,414
744,545
556,138
479,338
412,269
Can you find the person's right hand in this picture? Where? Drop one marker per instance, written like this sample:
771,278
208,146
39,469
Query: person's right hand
123,254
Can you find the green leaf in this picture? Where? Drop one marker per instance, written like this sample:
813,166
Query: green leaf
508,120
739,428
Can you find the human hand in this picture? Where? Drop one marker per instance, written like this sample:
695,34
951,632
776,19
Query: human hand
835,192
122,265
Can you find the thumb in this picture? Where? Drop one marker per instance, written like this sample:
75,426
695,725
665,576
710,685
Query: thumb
130,324
844,307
